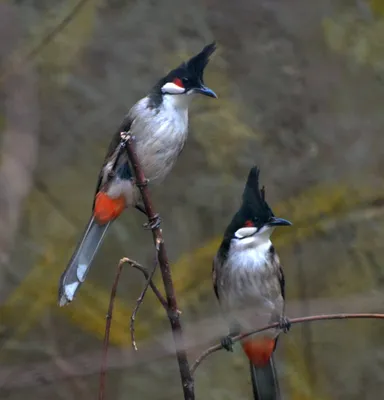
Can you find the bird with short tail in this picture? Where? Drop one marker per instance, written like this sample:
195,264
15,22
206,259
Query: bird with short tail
159,124
249,283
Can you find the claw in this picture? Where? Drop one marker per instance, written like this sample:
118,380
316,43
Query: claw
145,183
124,135
227,343
154,223
284,324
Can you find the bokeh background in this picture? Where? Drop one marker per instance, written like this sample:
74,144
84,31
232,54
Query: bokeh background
301,94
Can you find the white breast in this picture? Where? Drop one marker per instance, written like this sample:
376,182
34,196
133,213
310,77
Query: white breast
160,135
246,276
248,253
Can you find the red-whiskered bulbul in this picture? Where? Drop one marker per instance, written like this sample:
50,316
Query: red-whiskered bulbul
249,283
159,124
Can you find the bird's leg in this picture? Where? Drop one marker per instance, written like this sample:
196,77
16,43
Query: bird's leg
284,324
125,136
145,183
141,208
139,185
227,341
154,222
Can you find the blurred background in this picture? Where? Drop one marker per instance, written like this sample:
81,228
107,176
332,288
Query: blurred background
300,87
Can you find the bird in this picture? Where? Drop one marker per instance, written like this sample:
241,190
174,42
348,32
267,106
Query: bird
159,125
249,284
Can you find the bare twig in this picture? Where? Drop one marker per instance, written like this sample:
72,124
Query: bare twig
292,321
139,301
154,288
173,313
108,323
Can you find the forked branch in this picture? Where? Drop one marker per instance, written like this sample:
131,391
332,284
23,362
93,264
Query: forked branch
109,315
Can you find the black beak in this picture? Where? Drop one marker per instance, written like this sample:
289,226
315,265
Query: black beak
205,91
279,222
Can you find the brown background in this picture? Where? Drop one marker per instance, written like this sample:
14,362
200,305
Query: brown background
301,94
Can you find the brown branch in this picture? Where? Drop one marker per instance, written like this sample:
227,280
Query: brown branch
139,301
173,313
146,274
108,323
292,321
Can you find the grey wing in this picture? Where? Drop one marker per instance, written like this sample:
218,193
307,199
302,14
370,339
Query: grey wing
113,151
215,276
275,261
282,282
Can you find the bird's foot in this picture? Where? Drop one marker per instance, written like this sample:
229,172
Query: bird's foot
141,184
227,343
111,175
125,136
153,223
284,324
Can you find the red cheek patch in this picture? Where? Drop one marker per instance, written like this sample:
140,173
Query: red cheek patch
249,224
178,82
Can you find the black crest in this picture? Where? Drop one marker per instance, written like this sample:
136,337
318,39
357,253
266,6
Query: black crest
196,65
253,212
192,70
254,203
254,208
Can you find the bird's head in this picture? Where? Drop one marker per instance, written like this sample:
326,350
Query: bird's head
187,78
255,217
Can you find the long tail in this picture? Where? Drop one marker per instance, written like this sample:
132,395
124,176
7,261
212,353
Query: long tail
263,373
264,382
78,267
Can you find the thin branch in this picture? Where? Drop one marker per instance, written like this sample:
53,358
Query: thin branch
173,312
108,323
292,321
154,288
139,301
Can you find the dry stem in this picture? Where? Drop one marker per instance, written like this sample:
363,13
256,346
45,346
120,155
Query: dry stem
139,301
172,310
292,321
108,323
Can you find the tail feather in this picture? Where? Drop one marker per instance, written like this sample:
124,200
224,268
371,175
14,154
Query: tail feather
78,267
264,382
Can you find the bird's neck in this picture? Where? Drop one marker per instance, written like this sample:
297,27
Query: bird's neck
179,102
255,246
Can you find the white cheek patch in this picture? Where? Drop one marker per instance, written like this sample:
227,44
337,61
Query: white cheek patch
172,88
244,232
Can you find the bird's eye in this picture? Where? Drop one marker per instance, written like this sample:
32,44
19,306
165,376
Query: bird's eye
185,80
